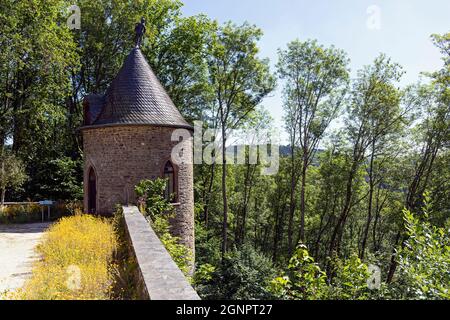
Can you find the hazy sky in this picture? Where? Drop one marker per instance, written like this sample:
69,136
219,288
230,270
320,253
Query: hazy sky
402,31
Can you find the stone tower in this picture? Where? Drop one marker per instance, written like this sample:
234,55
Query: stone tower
128,135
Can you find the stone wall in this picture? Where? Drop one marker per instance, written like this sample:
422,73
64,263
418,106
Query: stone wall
159,278
124,155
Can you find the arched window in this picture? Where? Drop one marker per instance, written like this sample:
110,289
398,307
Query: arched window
169,175
92,191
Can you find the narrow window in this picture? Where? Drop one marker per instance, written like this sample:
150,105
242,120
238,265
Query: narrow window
92,192
169,175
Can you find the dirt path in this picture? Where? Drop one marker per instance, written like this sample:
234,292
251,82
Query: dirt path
17,244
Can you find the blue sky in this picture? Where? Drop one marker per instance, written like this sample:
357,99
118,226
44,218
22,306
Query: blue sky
404,33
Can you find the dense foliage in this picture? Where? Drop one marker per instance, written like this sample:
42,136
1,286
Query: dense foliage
424,259
350,185
159,211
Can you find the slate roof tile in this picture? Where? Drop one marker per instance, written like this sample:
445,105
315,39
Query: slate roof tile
136,96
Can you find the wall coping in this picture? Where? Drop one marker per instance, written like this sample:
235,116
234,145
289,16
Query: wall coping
162,278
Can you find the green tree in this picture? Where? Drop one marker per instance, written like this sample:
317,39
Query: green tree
373,112
240,80
36,52
12,174
305,279
315,81
350,281
432,134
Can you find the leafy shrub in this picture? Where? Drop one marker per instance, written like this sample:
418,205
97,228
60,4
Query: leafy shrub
151,197
159,211
243,274
20,213
206,245
424,261
76,256
350,280
179,252
204,273
304,280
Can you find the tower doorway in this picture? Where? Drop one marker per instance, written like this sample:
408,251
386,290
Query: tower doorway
92,191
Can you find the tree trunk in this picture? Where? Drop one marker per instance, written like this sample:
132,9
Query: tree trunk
256,226
276,236
3,197
369,209
378,208
322,229
338,229
291,203
393,264
2,174
278,232
241,225
302,197
224,196
208,196
414,193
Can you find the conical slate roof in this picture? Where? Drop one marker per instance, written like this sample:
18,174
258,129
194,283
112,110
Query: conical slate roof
136,96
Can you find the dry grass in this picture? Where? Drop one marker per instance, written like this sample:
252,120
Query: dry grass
77,253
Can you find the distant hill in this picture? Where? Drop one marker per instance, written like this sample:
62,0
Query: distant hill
285,151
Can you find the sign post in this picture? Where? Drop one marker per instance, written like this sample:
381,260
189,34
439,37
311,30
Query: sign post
47,203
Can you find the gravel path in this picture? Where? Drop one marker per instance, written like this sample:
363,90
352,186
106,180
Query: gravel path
17,244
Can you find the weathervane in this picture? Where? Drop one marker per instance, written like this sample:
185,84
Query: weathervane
140,31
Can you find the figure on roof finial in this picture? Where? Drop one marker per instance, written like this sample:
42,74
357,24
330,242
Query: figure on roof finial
140,31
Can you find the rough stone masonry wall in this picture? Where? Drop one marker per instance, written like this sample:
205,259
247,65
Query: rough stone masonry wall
124,155
158,277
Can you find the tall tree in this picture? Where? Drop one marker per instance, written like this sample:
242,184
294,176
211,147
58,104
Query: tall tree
315,82
255,133
373,112
12,173
240,80
36,52
434,135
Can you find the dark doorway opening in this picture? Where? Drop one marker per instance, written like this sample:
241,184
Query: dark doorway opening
92,192
169,175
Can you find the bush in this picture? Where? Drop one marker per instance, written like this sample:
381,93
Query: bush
350,280
304,280
77,253
424,260
243,274
179,252
159,211
206,245
151,197
20,213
